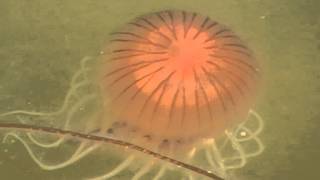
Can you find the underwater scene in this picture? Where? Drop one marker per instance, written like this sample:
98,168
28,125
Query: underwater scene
159,90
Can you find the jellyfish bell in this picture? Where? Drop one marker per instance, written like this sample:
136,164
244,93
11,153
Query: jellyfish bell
176,77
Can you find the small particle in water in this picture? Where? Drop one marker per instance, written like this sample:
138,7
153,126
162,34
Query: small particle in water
243,133
263,17
12,157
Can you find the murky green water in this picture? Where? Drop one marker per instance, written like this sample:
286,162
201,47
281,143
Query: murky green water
42,42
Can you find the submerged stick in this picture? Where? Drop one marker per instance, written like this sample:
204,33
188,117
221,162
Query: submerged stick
56,131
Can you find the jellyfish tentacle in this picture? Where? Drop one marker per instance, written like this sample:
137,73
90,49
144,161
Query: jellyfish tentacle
69,115
217,155
260,148
78,76
160,173
74,84
259,144
231,137
252,135
24,112
74,87
237,146
84,60
76,107
259,119
190,177
6,136
40,144
248,136
74,158
81,148
143,170
56,143
215,166
84,66
64,106
53,144
116,170
72,92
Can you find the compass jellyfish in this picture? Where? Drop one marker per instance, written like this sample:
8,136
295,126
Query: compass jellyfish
170,91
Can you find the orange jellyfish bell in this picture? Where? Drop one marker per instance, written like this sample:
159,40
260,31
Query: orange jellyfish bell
176,76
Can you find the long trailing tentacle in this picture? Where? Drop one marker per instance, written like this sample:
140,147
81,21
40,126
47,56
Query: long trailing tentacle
107,140
214,163
78,81
241,153
74,87
218,161
143,170
67,121
78,154
116,170
160,173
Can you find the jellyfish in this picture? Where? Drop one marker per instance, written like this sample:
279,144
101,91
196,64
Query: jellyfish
174,89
